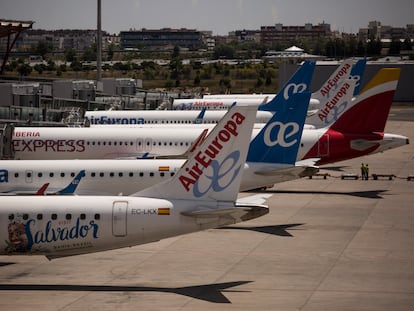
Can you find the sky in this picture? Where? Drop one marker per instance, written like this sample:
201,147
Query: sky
219,16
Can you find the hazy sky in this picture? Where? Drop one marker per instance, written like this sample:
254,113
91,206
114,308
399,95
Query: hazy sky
220,16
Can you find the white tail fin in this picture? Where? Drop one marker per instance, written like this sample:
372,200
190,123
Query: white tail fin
338,103
213,172
341,73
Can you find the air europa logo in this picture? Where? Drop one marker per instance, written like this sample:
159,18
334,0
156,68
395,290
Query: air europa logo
204,157
332,103
343,73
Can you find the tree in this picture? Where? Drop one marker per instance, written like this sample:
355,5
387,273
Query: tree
395,47
70,55
42,48
224,51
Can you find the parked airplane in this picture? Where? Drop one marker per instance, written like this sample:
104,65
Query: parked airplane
330,140
299,82
223,101
355,128
271,159
190,201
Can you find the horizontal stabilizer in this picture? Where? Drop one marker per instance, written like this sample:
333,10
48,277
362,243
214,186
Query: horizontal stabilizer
243,212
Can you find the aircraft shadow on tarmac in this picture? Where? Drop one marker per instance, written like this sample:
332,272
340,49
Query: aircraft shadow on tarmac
211,293
370,194
280,230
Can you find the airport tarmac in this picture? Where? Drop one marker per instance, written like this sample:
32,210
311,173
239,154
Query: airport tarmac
327,244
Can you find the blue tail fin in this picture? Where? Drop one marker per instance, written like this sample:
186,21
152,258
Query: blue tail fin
298,83
279,140
357,73
71,188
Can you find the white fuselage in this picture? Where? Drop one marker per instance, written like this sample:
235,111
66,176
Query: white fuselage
44,143
110,117
64,226
112,177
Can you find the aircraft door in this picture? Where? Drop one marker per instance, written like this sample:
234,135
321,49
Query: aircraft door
119,218
323,145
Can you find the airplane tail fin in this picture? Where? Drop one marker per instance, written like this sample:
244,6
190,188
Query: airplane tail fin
298,83
357,73
71,188
341,73
213,172
369,111
279,140
330,110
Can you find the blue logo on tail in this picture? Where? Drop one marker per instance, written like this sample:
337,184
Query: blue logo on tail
279,140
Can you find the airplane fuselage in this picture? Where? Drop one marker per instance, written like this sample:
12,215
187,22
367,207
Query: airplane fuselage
84,224
119,142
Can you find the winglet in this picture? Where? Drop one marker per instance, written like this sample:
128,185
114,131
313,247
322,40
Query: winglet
42,189
214,171
200,116
71,188
298,83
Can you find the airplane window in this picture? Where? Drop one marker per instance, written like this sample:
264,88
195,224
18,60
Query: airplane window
115,143
39,175
39,216
111,174
170,143
51,174
131,174
141,174
62,174
151,174
109,143
101,174
148,143
68,216
54,216
165,143
72,174
93,143
25,216
181,143
131,143
99,143
11,216
120,174
159,143
172,174
93,174
88,143
16,175
162,174
82,216
29,174
97,216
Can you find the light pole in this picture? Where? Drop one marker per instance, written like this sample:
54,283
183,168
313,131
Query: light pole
99,45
